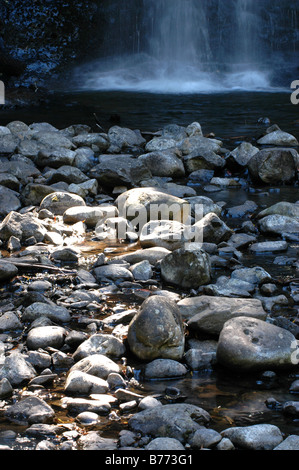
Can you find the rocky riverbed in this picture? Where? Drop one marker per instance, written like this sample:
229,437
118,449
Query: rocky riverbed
101,295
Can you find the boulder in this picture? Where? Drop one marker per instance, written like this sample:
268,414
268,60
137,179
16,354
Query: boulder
166,163
98,365
274,166
156,331
113,170
188,267
164,369
46,336
168,234
279,225
7,271
255,437
30,410
21,226
278,137
9,201
212,229
104,344
250,344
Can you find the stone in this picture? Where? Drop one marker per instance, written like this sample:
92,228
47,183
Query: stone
255,437
202,205
148,402
21,226
98,365
67,254
16,369
59,202
9,321
112,272
240,156
94,441
269,247
212,229
81,383
118,170
168,234
177,421
87,418
290,443
9,201
205,438
278,137
30,410
278,224
285,208
146,204
55,158
46,336
274,166
87,188
156,331
164,443
186,267
164,368
7,271
105,344
152,255
252,344
6,389
54,312
201,355
164,163
123,137
208,314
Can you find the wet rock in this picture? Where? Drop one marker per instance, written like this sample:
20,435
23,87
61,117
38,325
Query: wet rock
253,344
6,389
230,287
256,437
148,402
274,166
178,421
165,163
98,365
53,312
67,254
7,271
81,383
285,208
164,368
59,202
164,443
186,267
104,344
201,355
87,418
240,211
157,331
39,359
256,275
152,255
208,313
30,410
45,336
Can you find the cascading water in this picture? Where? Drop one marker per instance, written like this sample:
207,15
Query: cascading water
183,46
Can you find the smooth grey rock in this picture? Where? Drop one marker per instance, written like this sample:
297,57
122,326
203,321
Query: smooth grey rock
7,271
290,443
278,224
56,313
274,166
256,437
205,438
164,163
16,369
168,234
93,441
253,344
105,344
45,336
164,443
81,383
164,368
9,321
98,365
30,410
157,330
213,229
9,201
59,202
178,421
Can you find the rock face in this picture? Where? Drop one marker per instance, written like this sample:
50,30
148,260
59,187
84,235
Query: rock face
253,344
157,330
186,267
272,166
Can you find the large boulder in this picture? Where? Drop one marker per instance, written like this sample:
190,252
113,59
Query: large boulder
278,137
288,209
279,225
113,170
166,163
248,344
274,166
157,330
255,437
208,314
21,226
188,267
59,201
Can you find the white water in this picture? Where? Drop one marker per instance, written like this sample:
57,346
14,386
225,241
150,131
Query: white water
172,53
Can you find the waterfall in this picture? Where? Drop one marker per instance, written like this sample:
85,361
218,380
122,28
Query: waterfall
183,46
